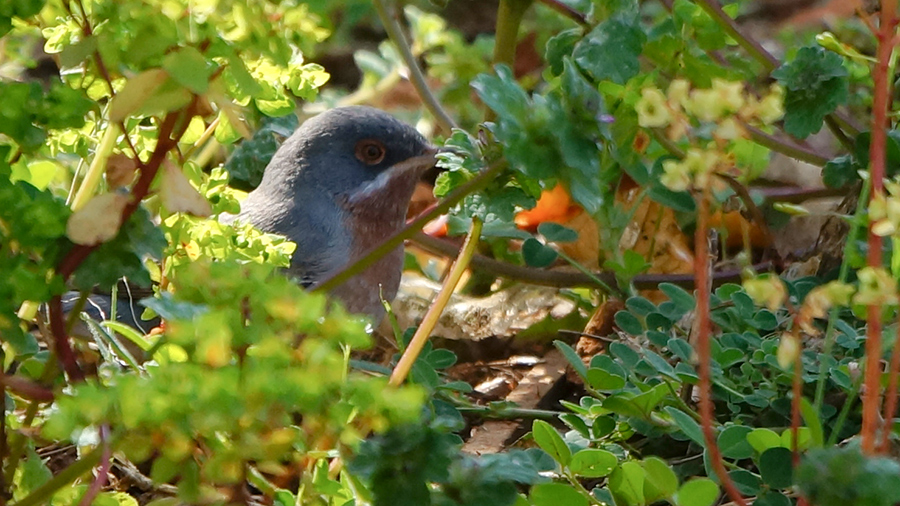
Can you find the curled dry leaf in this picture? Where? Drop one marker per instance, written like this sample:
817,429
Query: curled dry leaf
179,196
120,170
98,221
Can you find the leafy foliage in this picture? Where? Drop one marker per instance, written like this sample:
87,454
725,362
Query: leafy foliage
816,81
248,391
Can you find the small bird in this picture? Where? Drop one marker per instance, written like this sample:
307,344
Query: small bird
337,187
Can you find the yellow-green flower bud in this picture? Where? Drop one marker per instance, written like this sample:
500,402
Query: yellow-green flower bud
652,109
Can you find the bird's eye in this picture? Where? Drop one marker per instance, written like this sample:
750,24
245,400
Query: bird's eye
370,151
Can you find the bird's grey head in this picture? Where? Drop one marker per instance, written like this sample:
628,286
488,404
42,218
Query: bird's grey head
342,150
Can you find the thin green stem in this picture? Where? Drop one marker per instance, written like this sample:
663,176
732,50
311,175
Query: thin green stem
785,147
580,488
757,52
417,77
849,403
505,413
587,272
833,314
509,18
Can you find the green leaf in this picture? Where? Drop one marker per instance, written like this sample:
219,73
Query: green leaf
189,68
622,404
593,463
648,400
603,426
441,358
502,93
840,171
678,201
681,298
34,473
629,357
611,50
812,422
538,254
559,46
604,380
697,492
556,494
628,323
803,438
775,467
549,440
661,482
733,443
763,439
660,364
843,476
640,306
775,498
248,161
681,348
572,357
687,425
816,83
746,482
627,483
554,232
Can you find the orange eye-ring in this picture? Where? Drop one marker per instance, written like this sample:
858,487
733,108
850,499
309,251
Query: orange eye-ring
370,151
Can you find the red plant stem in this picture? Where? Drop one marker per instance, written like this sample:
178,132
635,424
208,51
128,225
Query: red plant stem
61,345
890,397
880,106
79,252
148,172
701,269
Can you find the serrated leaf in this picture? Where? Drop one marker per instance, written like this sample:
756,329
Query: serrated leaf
611,50
816,83
502,93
